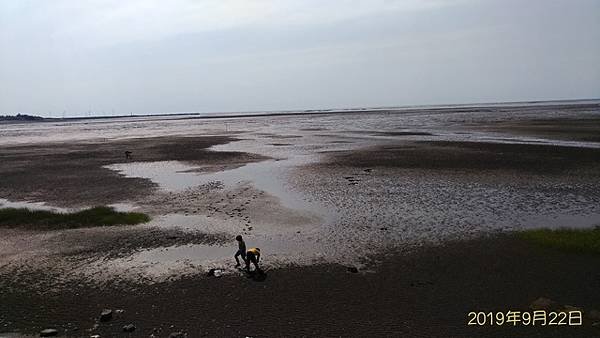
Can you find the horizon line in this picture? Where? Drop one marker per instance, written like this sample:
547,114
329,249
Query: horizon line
250,113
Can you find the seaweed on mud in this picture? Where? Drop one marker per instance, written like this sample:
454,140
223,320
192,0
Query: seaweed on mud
566,239
92,217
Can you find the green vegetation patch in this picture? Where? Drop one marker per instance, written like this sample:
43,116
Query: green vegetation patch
44,220
572,240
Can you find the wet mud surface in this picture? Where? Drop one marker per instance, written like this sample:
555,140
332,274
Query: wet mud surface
474,156
427,293
72,174
587,129
417,201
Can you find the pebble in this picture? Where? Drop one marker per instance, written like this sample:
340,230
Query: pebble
48,333
593,314
572,308
106,315
129,328
542,304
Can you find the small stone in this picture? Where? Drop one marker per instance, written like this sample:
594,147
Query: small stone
106,315
352,269
593,314
48,333
568,308
543,304
95,336
129,328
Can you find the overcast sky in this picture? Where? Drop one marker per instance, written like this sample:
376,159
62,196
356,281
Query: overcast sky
154,56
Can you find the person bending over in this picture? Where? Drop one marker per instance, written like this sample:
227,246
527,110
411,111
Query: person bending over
253,256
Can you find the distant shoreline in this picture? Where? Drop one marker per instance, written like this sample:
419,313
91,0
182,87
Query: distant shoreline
467,107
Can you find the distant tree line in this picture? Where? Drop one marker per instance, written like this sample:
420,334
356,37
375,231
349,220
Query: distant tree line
20,117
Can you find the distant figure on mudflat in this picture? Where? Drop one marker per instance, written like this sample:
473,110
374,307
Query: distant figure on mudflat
127,155
241,250
253,256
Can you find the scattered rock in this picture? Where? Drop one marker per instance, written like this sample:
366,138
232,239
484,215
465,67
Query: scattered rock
48,333
129,328
352,269
177,335
95,336
368,170
106,315
384,229
543,304
215,273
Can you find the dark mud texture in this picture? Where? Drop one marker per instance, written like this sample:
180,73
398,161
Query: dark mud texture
72,174
473,156
109,244
584,129
427,293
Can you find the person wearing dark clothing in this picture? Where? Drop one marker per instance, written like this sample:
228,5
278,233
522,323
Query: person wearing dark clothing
253,256
241,250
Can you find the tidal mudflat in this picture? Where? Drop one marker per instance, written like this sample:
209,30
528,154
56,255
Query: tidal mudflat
423,203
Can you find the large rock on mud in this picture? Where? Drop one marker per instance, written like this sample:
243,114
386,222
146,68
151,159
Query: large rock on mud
106,315
129,328
215,273
352,269
48,333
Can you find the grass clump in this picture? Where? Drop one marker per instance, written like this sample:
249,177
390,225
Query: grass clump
572,240
93,217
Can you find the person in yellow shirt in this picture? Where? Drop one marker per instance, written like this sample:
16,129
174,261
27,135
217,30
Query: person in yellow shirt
253,256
